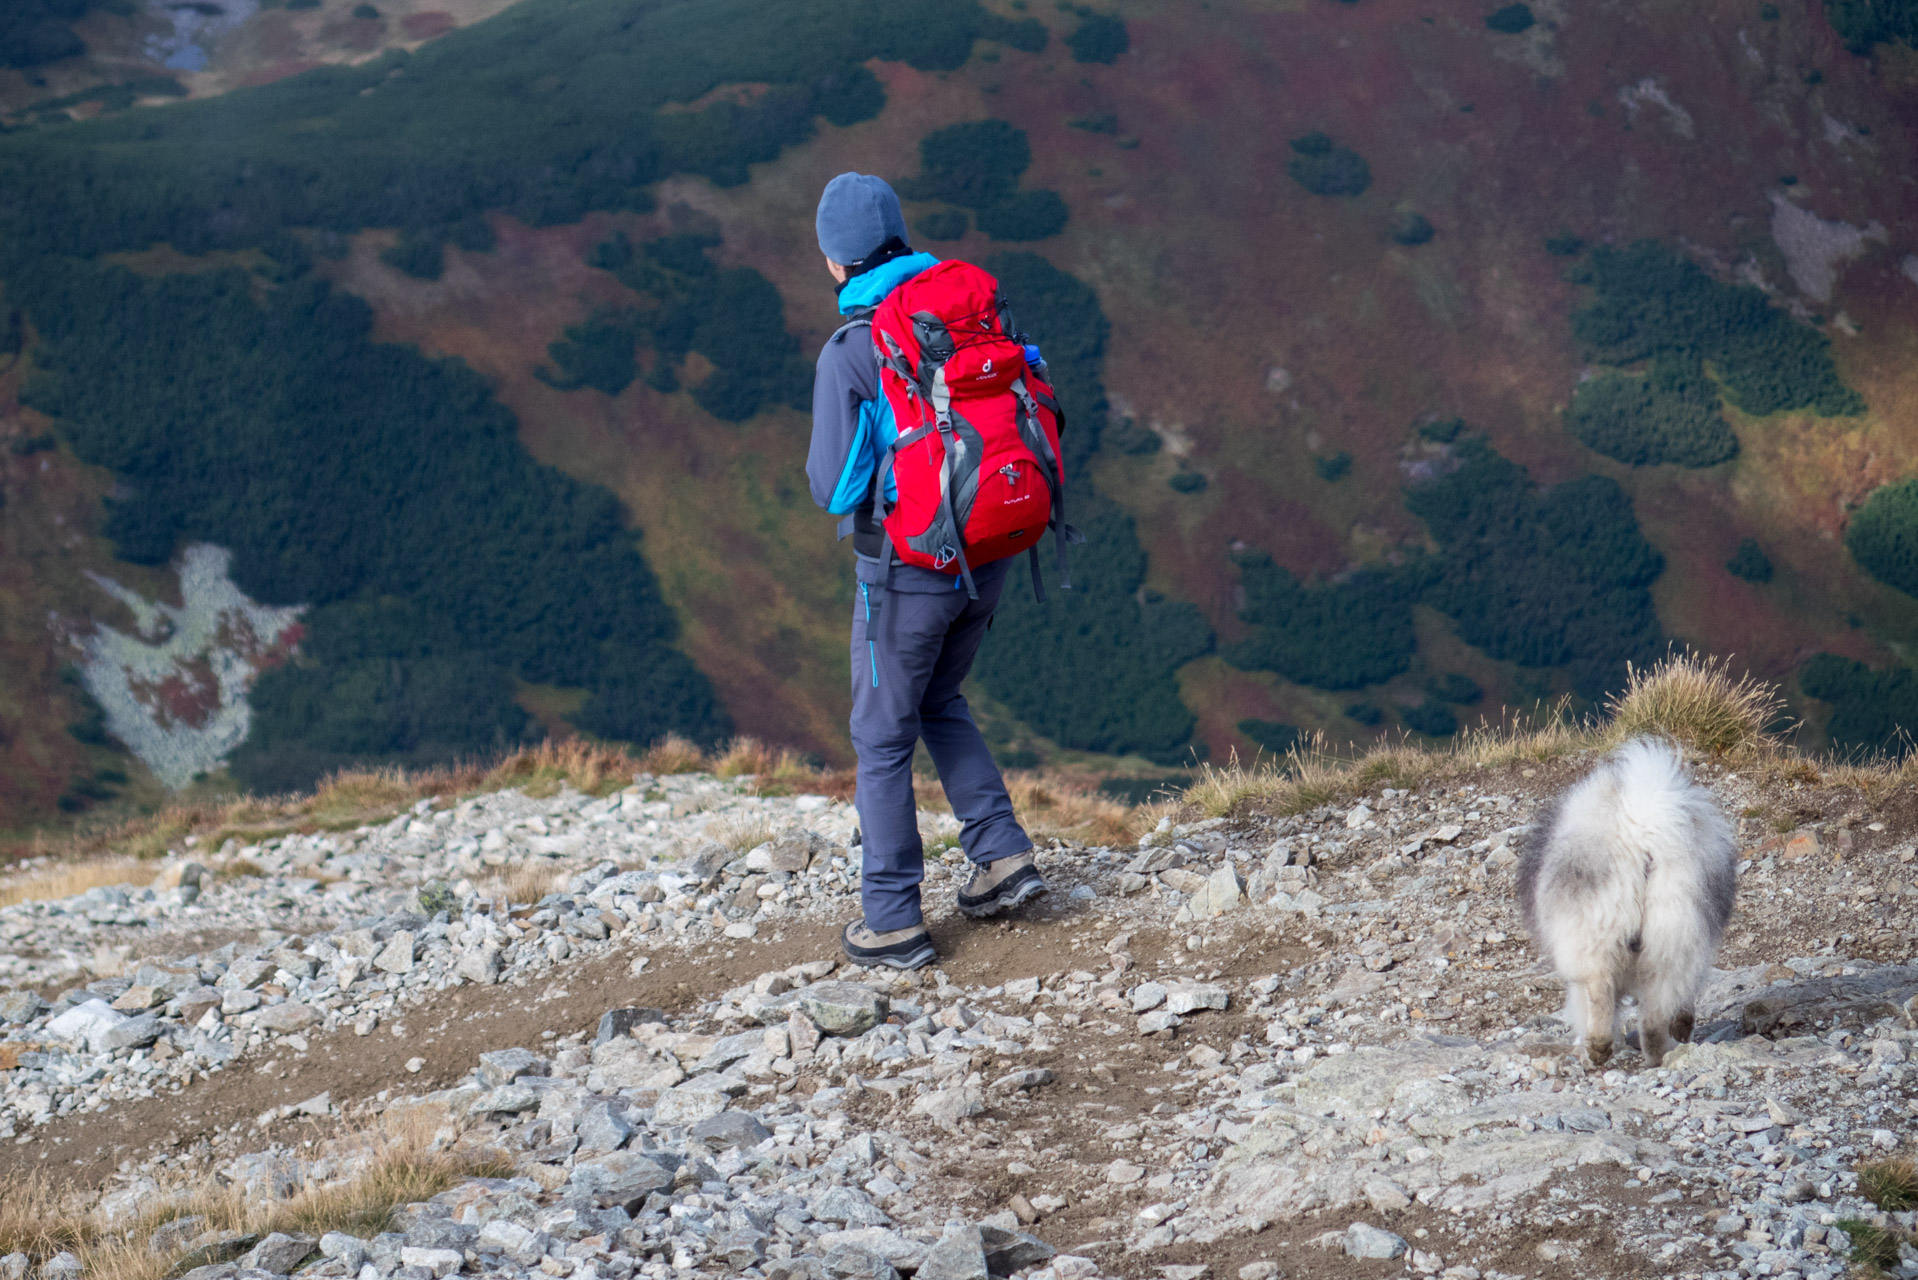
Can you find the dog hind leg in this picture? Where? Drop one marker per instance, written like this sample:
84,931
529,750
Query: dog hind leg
1595,1011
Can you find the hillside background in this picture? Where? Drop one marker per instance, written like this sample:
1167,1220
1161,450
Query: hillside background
411,380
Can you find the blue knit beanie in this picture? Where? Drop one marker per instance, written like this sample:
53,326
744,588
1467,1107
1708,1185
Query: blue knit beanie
857,214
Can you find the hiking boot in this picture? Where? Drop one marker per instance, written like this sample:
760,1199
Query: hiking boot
1004,883
897,948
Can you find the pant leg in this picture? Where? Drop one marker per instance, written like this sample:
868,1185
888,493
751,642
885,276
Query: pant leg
897,640
974,786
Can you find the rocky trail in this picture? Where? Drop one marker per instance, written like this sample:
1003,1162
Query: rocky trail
1310,1046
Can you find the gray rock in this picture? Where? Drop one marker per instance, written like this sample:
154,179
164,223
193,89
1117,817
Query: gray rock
61,1266
216,1247
1010,1251
728,1130
14,1266
615,1023
481,965
708,862
850,1206
83,1023
1386,1196
1221,892
689,1103
279,1253
628,1064
397,955
287,1018
441,1233
740,1249
947,1107
619,1178
512,1098
212,1271
731,1049
960,1254
1795,1006
520,1244
245,974
21,1006
1362,1240
348,1250
602,1126
851,1262
503,1066
134,1033
843,1008
435,1262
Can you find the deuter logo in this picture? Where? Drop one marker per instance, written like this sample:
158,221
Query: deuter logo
985,370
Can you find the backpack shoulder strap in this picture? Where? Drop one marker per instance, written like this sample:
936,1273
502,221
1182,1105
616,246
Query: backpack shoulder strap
861,319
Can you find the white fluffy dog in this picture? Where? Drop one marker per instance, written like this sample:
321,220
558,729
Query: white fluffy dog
1626,888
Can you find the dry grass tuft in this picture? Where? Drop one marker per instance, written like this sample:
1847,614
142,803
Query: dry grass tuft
741,832
65,880
404,1159
1697,702
527,880
1892,1185
1071,809
673,754
591,767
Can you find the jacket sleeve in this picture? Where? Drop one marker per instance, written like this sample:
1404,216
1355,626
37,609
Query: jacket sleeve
840,462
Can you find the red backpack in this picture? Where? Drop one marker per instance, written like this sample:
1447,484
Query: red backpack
976,460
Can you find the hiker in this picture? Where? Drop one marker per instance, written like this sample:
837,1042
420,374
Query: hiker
930,568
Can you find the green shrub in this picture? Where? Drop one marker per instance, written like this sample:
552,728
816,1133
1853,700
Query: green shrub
473,234
1431,718
1100,38
1564,245
1872,712
1670,415
1029,35
597,354
1543,578
1443,431
365,12
1864,23
417,254
36,32
1365,713
1189,481
1333,467
1105,122
1883,535
1455,688
1750,562
1271,735
1511,20
1411,229
976,164
1335,635
1131,438
943,224
1650,301
1025,215
344,474
548,110
1326,169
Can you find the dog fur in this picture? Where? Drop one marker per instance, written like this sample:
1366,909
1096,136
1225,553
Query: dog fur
1626,888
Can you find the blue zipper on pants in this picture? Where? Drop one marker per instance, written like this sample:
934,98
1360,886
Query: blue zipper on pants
872,652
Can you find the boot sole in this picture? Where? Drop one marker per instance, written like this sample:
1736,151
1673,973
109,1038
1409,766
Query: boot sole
993,906
909,960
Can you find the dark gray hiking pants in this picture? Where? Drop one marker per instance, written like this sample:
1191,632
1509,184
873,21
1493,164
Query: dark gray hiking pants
911,649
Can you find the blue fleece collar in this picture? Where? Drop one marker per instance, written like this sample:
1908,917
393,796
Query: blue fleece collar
871,289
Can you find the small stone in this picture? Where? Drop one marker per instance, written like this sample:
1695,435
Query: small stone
348,1250
1184,1271
602,1126
84,1022
620,1178
61,1266
1386,1196
20,1006
1357,817
615,1023
519,1244
802,1032
1159,1020
1147,995
1221,892
1121,1173
441,1262
1262,1270
1008,1251
689,1103
843,1008
503,1066
14,1266
397,955
960,1254
1189,997
1362,1240
415,1065
1030,1078
134,1033
138,999
1803,844
479,965
851,1262
320,1104
280,1253
287,1018
947,1107
730,1130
